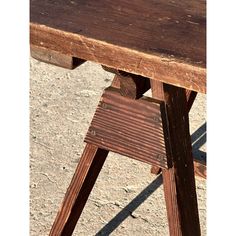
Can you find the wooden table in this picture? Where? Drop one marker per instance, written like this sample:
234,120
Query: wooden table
157,44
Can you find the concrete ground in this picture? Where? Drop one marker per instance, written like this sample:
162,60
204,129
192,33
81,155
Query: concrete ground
127,199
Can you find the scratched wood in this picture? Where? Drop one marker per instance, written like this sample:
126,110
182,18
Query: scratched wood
163,40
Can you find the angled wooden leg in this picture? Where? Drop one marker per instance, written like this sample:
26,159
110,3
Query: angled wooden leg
80,187
179,180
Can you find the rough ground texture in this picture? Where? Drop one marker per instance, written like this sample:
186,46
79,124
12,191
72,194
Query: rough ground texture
127,199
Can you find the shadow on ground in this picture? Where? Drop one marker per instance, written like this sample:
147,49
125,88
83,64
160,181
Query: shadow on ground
198,140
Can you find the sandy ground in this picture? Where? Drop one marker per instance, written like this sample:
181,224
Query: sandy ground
127,199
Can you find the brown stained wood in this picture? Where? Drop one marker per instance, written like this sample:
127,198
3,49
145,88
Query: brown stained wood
158,93
80,187
146,38
55,58
116,82
179,181
129,127
156,170
130,85
200,169
191,95
111,70
133,86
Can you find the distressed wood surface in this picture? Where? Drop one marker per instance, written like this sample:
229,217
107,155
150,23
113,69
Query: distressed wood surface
129,127
179,180
200,169
80,187
162,40
130,85
55,58
158,93
133,86
191,96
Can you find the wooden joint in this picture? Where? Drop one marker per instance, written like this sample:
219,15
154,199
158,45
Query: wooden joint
55,58
131,85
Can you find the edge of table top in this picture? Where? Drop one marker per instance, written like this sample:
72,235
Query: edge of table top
158,67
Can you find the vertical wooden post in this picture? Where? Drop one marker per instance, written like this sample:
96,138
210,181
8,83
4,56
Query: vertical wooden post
191,95
158,93
80,187
179,180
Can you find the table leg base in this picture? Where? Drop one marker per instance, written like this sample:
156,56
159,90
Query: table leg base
176,163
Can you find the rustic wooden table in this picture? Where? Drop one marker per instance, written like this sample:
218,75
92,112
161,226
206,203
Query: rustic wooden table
157,44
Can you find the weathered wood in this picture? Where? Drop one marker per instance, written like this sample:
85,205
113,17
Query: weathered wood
191,95
157,92
156,170
146,38
200,169
55,58
130,85
116,82
133,86
129,127
179,181
111,70
77,194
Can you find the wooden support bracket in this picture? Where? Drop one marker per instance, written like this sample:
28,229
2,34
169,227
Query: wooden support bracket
55,58
133,128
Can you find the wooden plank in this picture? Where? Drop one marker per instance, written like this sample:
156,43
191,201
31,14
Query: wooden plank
129,127
179,180
55,58
147,38
80,187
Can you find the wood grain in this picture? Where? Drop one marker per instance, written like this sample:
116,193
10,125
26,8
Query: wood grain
129,127
116,82
158,93
55,58
200,169
191,96
80,187
147,38
130,85
179,181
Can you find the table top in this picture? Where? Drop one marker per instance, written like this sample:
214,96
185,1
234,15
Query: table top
159,39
